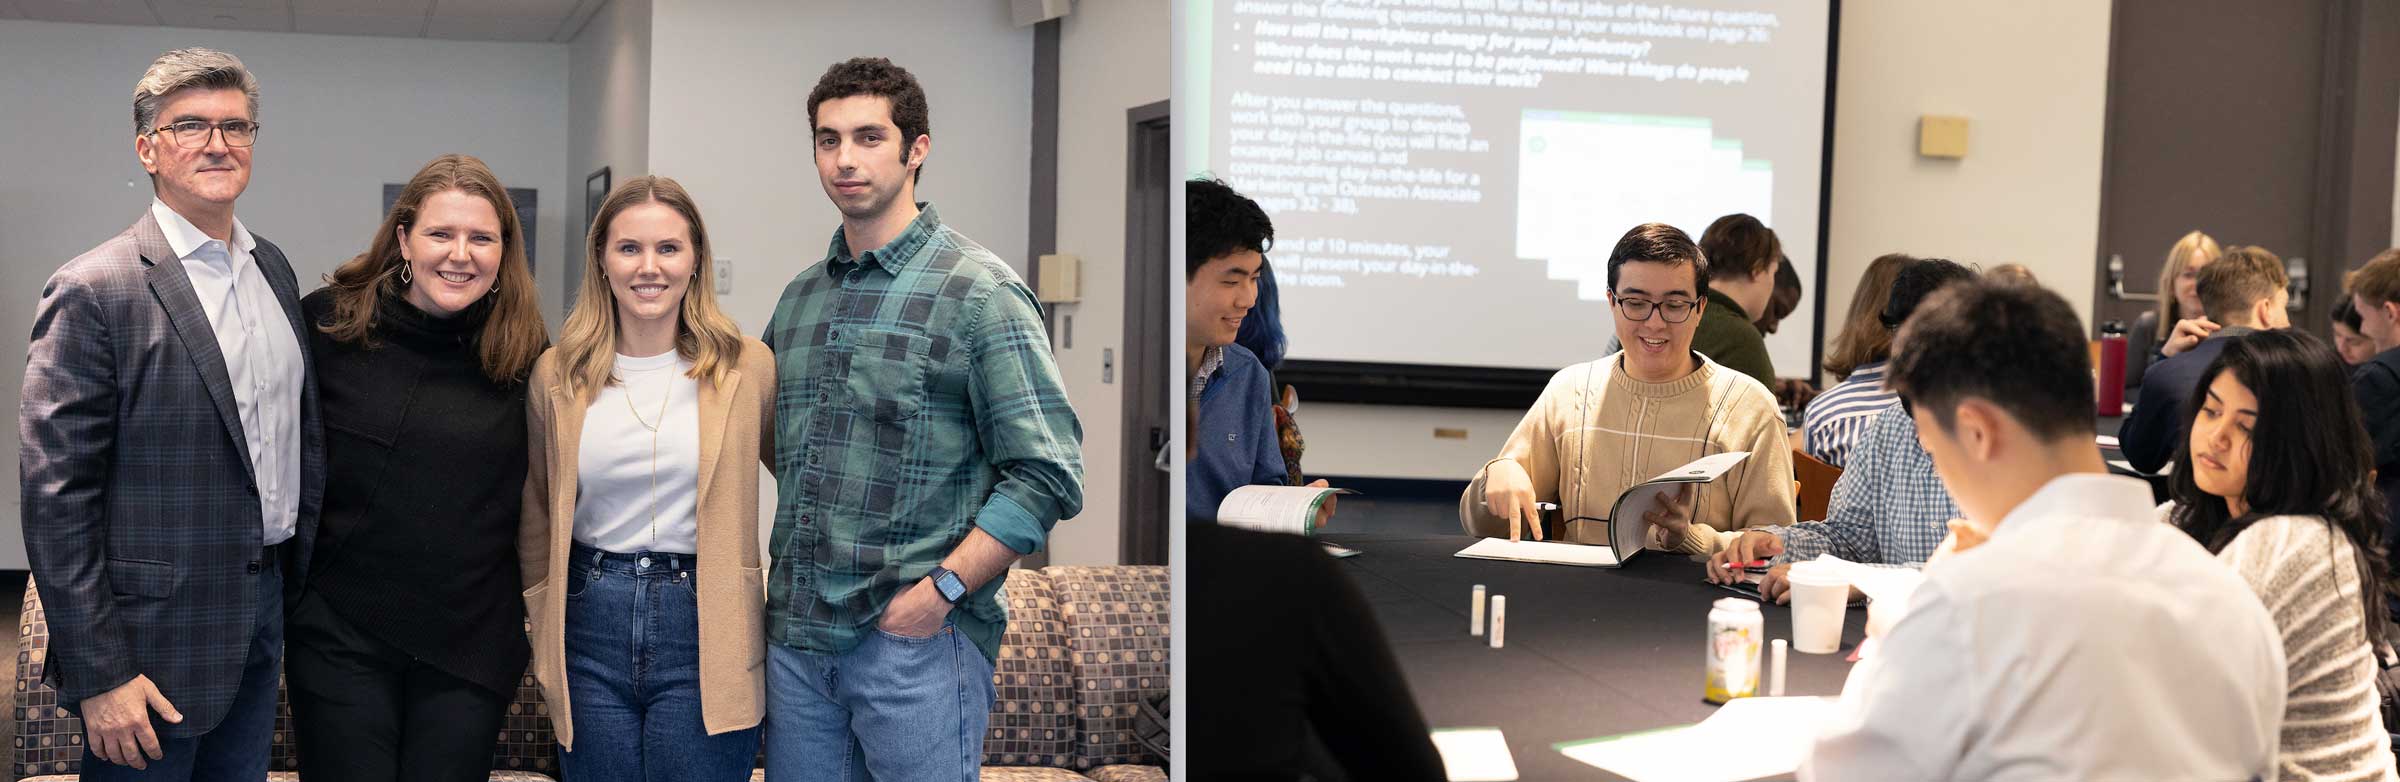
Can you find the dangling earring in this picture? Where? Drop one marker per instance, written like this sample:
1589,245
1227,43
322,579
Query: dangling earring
404,275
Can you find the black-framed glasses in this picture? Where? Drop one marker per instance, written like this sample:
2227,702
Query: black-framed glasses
1673,310
193,133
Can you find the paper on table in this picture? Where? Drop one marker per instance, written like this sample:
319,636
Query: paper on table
1772,736
1540,551
1475,755
2106,440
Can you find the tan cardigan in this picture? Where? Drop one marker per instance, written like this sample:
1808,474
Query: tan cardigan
1596,431
735,418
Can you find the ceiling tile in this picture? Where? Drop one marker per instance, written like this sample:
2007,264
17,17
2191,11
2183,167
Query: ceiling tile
416,8
387,25
133,12
189,15
8,10
553,10
538,30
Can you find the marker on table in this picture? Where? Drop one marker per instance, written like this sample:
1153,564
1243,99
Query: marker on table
1744,565
1783,649
1475,613
1499,618
1545,506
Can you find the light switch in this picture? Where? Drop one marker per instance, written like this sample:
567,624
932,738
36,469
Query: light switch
724,277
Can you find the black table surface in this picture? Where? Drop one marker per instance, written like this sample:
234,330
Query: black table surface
1588,652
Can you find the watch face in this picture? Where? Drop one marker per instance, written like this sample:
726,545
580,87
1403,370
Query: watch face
952,588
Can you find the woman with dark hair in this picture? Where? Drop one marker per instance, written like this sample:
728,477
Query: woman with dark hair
2275,478
407,643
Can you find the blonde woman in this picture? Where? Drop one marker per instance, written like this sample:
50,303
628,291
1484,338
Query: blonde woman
2178,301
640,539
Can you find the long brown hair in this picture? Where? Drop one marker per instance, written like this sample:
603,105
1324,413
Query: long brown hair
512,337
587,346
1863,339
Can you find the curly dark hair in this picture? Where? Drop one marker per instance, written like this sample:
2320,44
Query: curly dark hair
1218,222
878,77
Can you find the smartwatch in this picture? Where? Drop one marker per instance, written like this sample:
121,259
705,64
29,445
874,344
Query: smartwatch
948,583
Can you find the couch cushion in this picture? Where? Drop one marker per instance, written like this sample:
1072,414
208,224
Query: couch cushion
49,740
1117,632
1128,774
1030,774
1033,717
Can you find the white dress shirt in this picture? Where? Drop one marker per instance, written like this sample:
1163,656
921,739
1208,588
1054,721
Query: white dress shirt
637,491
262,358
2084,641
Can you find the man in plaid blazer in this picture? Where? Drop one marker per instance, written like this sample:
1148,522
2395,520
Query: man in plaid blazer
172,463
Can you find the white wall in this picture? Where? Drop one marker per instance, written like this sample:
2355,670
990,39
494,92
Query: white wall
608,105
341,117
2028,191
1110,60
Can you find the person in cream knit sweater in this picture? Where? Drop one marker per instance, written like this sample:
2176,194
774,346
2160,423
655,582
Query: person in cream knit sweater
1604,426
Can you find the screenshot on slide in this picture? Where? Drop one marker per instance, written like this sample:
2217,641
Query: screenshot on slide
1447,176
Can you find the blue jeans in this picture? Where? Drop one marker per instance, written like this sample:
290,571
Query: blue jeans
237,748
896,708
633,674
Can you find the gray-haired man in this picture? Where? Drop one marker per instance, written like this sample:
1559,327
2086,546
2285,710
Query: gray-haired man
172,462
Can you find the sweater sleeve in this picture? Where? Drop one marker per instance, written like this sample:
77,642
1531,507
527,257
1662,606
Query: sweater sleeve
1533,445
1762,484
533,523
2147,437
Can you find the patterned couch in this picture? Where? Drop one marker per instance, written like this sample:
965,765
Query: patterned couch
1085,647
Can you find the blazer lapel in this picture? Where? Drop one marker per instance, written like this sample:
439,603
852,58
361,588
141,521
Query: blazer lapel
174,291
714,398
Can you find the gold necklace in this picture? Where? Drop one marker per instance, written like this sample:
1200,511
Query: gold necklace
662,421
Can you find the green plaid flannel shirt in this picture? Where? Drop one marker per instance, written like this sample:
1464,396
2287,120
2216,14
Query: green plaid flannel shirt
916,400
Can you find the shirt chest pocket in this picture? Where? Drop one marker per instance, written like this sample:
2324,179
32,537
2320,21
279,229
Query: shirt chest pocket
888,371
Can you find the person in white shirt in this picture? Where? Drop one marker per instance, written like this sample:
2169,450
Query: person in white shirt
171,451
640,546
2064,633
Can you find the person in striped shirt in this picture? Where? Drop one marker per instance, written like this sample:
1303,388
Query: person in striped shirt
1840,417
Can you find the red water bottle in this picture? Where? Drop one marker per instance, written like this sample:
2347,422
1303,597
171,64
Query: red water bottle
2112,370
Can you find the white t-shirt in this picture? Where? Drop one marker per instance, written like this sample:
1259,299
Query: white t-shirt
618,506
2085,641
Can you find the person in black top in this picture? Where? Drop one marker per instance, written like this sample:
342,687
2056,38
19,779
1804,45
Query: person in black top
408,641
1291,677
2242,291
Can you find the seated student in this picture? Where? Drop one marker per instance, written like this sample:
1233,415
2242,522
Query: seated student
1317,693
2240,291
2375,293
1889,507
1837,418
1262,335
1791,392
2353,344
1602,426
2273,478
2081,639
1225,242
2178,302
1743,255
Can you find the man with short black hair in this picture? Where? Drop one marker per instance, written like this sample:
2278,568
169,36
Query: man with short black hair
923,443
1603,426
1226,237
2065,633
2242,291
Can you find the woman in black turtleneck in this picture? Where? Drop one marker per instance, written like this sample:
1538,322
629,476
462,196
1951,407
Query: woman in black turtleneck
407,642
